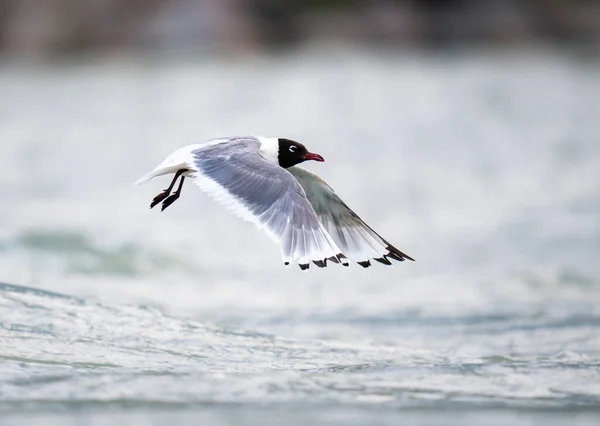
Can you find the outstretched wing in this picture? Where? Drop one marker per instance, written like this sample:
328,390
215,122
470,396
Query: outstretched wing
357,240
267,195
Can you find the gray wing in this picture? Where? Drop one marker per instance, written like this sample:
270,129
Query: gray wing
267,195
357,240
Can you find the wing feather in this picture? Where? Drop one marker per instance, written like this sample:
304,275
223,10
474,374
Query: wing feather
357,240
235,175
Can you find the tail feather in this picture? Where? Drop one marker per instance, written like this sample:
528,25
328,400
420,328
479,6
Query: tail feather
176,161
147,177
159,171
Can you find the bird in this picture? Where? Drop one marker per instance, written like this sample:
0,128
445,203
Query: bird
258,179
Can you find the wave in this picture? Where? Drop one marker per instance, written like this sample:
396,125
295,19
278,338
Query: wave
59,350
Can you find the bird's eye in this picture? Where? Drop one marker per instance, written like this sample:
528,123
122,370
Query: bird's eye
293,148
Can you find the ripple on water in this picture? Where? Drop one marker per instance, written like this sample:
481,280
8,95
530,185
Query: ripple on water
65,350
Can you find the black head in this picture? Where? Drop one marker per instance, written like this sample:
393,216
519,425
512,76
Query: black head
292,153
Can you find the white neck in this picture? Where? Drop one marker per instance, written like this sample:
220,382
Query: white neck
269,149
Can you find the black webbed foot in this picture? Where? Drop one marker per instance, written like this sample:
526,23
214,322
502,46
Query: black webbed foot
164,196
169,200
159,198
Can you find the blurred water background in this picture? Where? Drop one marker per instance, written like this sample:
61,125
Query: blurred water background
465,132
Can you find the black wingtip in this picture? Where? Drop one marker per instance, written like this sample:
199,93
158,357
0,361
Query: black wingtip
333,259
396,254
383,260
343,259
304,266
286,263
320,263
364,263
395,257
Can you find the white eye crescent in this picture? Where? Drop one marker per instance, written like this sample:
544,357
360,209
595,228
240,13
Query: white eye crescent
293,148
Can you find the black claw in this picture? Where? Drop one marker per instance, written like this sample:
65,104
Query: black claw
159,198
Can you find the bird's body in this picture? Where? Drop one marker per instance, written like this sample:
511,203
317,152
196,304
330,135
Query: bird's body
257,178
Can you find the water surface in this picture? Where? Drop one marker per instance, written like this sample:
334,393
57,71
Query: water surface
483,168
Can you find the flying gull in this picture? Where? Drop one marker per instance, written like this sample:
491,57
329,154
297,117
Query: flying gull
259,180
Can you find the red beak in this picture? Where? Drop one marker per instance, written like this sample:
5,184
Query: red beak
313,156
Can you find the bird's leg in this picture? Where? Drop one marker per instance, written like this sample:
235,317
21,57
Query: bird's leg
167,191
174,196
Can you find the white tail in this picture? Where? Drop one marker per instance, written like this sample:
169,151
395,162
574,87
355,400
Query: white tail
149,176
180,159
